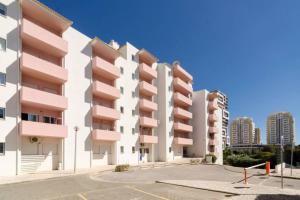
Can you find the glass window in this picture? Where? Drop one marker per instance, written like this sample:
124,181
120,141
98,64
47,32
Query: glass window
132,57
2,113
122,149
132,131
170,73
2,79
29,117
170,149
133,76
132,112
122,90
3,9
133,149
122,109
49,120
170,88
133,94
2,44
122,70
121,129
2,148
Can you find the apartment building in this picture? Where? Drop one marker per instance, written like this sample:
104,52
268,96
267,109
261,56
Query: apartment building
207,125
242,131
257,136
280,124
69,101
174,111
223,105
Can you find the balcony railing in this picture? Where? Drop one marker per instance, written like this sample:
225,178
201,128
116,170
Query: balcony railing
39,129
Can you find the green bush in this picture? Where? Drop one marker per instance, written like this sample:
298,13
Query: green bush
121,168
242,160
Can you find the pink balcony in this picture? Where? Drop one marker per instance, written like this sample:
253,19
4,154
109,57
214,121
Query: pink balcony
41,99
106,135
182,114
147,72
43,69
102,112
183,141
213,105
148,122
104,68
147,88
212,129
212,117
181,86
34,35
181,99
212,142
147,105
178,71
178,126
148,139
105,91
29,128
212,96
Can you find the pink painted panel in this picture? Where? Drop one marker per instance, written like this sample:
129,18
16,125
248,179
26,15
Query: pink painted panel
28,128
147,72
102,112
178,126
42,99
148,122
43,39
212,117
180,99
147,88
212,129
43,69
147,105
183,141
213,105
183,114
181,86
106,91
178,71
106,135
148,139
105,68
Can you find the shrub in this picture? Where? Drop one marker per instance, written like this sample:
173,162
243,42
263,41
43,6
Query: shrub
242,160
121,168
213,157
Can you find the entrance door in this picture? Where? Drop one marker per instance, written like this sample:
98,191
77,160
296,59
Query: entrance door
144,154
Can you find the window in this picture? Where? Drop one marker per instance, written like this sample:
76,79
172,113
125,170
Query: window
132,57
170,149
170,88
2,148
132,112
49,120
122,149
147,151
2,44
170,73
133,149
2,113
122,129
132,131
29,117
2,79
170,119
3,9
133,76
122,90
122,109
133,94
122,70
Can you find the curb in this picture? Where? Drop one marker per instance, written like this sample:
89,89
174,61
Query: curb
231,193
288,177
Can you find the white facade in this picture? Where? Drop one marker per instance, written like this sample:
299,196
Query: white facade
242,131
207,134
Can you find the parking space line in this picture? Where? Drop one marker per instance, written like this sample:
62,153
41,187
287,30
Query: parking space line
81,196
150,194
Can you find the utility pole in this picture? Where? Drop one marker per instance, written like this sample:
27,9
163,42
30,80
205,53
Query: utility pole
281,157
76,129
292,155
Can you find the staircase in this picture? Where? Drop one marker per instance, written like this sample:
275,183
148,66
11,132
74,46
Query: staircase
31,163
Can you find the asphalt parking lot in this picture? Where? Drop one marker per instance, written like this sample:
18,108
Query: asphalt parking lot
134,185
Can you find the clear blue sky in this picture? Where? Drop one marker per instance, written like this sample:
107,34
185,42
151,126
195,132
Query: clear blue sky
248,49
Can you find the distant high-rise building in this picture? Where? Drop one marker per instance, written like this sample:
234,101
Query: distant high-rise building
223,105
257,136
278,124
242,131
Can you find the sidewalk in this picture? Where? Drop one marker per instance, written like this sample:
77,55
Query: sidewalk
229,188
56,173
287,173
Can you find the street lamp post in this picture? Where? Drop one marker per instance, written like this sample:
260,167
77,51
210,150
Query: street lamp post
76,129
281,157
292,155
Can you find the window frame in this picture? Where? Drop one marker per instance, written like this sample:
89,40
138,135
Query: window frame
2,153
4,113
122,149
5,44
4,10
4,75
122,129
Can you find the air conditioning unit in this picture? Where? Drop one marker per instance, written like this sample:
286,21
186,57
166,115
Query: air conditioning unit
34,139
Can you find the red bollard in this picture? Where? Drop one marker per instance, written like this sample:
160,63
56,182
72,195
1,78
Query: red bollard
268,166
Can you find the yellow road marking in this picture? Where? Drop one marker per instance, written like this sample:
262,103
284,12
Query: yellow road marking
81,196
150,194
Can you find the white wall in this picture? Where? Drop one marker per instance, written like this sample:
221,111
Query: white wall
78,90
9,97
